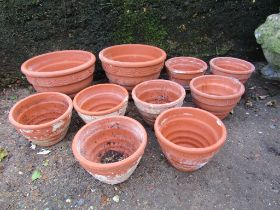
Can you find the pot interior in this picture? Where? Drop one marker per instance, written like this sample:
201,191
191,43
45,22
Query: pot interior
217,86
232,64
190,129
132,53
101,98
158,92
40,109
58,61
109,136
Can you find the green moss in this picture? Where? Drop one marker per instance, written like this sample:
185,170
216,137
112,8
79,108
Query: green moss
139,25
268,34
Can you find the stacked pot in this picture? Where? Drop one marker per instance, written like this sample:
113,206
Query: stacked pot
110,145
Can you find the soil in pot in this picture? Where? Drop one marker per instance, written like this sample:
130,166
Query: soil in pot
112,156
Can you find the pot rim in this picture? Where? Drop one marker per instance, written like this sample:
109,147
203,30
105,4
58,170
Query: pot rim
87,64
134,156
43,125
168,64
98,113
249,71
181,98
103,58
210,148
232,96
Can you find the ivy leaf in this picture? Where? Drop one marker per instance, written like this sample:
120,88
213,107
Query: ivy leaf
3,154
36,175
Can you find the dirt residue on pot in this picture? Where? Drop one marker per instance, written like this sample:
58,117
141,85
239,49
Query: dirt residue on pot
112,156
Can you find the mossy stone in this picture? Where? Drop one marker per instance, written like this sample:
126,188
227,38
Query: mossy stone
268,34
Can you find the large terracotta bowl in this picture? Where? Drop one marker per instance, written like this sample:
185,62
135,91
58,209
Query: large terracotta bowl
131,64
232,67
216,94
42,118
116,134
155,96
67,71
189,137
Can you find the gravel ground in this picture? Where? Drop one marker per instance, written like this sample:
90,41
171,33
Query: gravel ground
245,174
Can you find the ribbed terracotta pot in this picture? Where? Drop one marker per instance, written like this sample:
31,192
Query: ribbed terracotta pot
118,133
216,94
99,101
67,71
189,137
155,96
232,67
42,118
183,69
131,64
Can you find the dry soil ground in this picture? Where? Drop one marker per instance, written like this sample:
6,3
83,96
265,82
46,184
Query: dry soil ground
244,175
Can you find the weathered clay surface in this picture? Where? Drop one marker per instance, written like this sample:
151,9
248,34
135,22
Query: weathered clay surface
42,118
67,71
183,69
131,64
232,67
99,101
216,94
155,96
122,134
189,137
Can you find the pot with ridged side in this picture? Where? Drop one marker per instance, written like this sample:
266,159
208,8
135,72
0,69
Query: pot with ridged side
67,71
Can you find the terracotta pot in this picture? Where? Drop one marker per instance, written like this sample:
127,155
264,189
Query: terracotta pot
183,69
155,96
216,94
189,137
42,118
99,101
232,67
131,64
67,71
118,133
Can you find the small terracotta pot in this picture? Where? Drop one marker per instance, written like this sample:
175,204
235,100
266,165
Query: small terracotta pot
99,101
131,64
232,67
155,96
42,118
189,137
118,133
183,69
216,94
67,71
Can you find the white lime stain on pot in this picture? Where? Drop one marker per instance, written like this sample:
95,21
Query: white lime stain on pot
57,125
90,118
117,178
